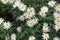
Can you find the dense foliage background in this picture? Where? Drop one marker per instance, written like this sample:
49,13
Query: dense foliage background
9,14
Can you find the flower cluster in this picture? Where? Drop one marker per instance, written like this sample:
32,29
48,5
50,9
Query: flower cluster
45,30
29,14
6,25
43,11
57,18
43,14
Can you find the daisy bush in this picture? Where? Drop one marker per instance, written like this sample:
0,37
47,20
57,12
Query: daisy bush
29,19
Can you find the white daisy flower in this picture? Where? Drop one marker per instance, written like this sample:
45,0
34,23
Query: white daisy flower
30,23
22,7
57,27
35,21
31,38
44,9
55,38
57,16
57,7
19,29
27,16
45,28
13,36
21,18
16,3
11,1
41,13
6,25
30,10
1,20
45,36
32,14
4,1
52,3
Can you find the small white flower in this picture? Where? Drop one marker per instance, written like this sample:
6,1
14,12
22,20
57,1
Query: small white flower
51,3
35,21
11,1
30,23
19,29
30,10
6,25
41,13
57,7
45,36
22,7
45,28
16,3
44,9
1,20
56,38
4,1
13,36
32,38
57,27
57,16
22,18
32,14
27,16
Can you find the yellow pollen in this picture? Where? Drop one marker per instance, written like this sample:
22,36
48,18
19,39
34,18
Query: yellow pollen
58,16
34,20
46,36
5,0
22,6
30,10
32,39
59,7
45,26
7,25
30,22
58,26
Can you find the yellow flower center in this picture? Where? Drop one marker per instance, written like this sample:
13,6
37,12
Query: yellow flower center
44,10
58,17
12,36
30,22
30,10
35,20
45,27
59,7
43,13
46,36
7,24
28,16
18,28
32,39
22,7
52,3
4,0
59,26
